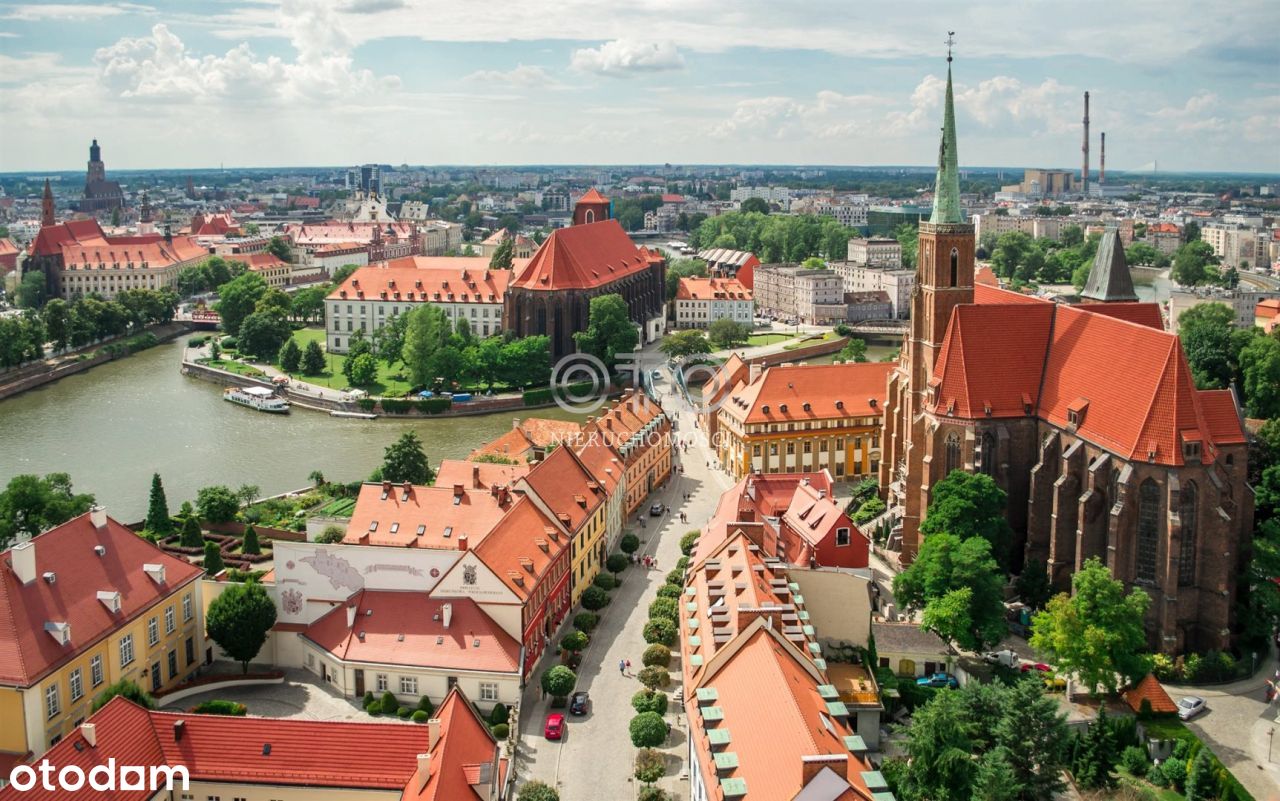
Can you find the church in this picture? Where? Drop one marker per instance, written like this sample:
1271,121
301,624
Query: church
552,294
99,193
1085,414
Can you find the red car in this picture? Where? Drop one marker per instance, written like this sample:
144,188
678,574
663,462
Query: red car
1027,667
554,730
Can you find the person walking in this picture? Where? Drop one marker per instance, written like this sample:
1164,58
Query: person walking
622,666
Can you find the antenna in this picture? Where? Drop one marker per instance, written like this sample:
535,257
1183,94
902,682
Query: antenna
950,41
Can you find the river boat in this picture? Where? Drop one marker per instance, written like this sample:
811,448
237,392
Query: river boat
260,398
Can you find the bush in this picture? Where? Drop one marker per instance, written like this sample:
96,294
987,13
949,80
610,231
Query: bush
197,342
682,563
419,716
649,701
434,405
404,711
660,630
688,541
1134,760
651,793
501,731
559,681
331,535
536,790
574,641
216,707
389,703
594,598
368,699
585,621
665,608
424,703
648,730
604,581
616,563
1171,773
675,577
670,591
228,343
1163,668
499,714
373,709
654,677
629,544
658,655
650,765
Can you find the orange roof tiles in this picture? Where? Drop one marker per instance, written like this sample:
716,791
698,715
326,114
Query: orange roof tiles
424,517
811,392
985,276
592,196
427,278
408,629
1222,416
83,245
27,651
564,485
478,475
1147,314
514,549
528,434
986,293
262,261
463,757
1149,690
583,256
712,289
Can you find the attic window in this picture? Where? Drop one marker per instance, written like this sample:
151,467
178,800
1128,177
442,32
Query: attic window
154,572
807,407
395,527
373,526
421,529
448,532
1026,404
839,404
1075,412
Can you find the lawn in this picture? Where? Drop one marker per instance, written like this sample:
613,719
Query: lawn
239,368
390,382
804,343
755,340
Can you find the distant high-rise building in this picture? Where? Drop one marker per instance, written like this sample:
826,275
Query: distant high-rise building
99,193
370,179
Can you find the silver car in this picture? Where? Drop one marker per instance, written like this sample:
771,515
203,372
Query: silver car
1190,706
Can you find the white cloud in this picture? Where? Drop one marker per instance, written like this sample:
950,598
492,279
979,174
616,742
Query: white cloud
622,57
828,115
526,75
371,6
37,12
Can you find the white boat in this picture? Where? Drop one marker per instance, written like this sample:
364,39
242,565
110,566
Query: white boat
260,398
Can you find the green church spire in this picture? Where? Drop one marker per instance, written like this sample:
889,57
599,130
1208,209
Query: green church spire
946,193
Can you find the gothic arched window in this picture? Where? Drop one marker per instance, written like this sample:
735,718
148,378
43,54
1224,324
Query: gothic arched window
955,267
1188,513
1148,531
953,453
590,216
988,454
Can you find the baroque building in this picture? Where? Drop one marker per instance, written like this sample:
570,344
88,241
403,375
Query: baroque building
1085,415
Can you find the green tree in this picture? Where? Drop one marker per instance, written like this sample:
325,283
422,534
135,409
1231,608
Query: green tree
308,304
404,460
275,301
1141,253
32,290
1260,368
1096,632
651,765
594,598
362,370
127,688
217,504
237,300
1202,783
869,510
158,520
388,341
239,619
262,334
538,791
659,630
1095,754
757,204
854,351
945,565
213,564
192,536
426,331
616,563
1206,332
909,238
250,543
1191,262
344,272
683,268
609,330
971,505
684,343
502,255
574,641
629,543
940,744
290,356
279,247
558,681
31,504
1032,734
726,333
1033,584
57,318
313,361
648,730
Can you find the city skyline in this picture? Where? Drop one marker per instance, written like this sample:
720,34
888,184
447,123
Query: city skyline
249,84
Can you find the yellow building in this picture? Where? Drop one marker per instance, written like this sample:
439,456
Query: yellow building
564,489
639,431
82,606
802,418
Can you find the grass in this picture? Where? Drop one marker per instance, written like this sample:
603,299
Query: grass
239,368
390,382
1159,793
804,343
340,507
755,340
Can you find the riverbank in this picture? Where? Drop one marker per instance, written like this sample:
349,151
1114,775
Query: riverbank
30,376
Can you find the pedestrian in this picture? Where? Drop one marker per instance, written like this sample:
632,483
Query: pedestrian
622,666
628,663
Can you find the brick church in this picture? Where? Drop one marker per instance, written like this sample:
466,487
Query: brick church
1085,414
552,294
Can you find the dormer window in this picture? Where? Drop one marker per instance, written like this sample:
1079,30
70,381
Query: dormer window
154,572
1075,412
1191,449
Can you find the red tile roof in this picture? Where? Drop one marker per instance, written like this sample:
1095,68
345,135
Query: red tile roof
214,225
463,757
985,293
583,256
398,515
592,196
407,629
528,434
83,245
514,549
478,475
27,651
565,486
1222,416
1147,314
859,390
262,261
438,279
712,289
1149,689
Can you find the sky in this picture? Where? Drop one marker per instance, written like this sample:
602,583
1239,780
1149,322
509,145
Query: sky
1187,86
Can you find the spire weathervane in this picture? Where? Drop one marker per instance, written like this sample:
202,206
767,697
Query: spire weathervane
951,39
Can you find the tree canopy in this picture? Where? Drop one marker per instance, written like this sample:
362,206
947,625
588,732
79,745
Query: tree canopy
239,619
404,460
971,505
685,343
238,298
31,504
609,330
962,583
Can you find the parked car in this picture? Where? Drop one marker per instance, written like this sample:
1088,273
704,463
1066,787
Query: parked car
1054,683
554,730
938,680
655,510
1006,657
579,703
1190,706
1027,667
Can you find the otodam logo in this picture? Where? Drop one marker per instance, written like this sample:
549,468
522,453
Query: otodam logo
107,777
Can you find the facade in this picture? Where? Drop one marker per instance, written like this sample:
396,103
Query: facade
910,650
804,418
452,758
552,293
1032,225
275,271
1086,416
8,256
789,290
861,306
82,606
77,258
724,263
523,248
896,282
99,193
1238,246
701,301
639,432
876,252
464,288
780,195
850,215
1242,302
1044,183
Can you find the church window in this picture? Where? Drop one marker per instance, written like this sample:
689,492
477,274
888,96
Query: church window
955,267
1148,531
953,453
1187,555
988,454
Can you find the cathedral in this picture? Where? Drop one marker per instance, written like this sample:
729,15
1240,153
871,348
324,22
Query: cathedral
99,193
1085,414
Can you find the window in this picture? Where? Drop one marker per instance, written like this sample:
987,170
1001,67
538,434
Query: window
988,454
408,685
95,670
153,631
791,448
76,680
380,681
953,453
955,267
51,705
488,691
1187,555
1148,531
186,607
173,664
773,450
842,536
169,620
808,446
191,650
126,649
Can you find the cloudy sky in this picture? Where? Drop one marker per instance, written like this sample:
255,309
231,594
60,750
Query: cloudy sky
196,83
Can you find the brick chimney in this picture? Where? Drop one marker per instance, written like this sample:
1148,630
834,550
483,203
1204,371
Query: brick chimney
457,490
462,542
23,560
446,614
98,516
424,769
811,766
475,476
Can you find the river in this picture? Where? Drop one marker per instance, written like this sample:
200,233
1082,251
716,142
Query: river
113,426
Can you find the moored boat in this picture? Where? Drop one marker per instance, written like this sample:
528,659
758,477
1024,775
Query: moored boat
260,398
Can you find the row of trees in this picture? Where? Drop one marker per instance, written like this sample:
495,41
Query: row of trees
81,321
433,351
775,238
1222,355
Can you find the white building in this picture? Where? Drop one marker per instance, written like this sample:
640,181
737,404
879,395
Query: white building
702,301
876,252
772,194
1238,246
897,282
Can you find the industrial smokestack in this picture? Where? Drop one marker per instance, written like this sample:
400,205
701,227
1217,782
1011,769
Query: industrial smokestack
1102,160
1084,149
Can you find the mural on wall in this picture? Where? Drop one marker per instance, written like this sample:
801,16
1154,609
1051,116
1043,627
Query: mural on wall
338,570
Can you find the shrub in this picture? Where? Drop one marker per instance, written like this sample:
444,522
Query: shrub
647,730
368,699
196,342
656,654
536,790
660,630
1163,668
419,716
228,343
404,711
389,703
249,544
688,541
651,793
373,709
649,701
604,581
558,681
1171,773
594,598
585,621
682,562
630,543
424,703
1134,760
650,765
664,607
616,563
574,641
654,677
434,405
331,535
216,707
501,731
675,577
670,591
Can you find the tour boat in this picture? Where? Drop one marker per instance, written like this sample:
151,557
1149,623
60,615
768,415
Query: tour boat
260,398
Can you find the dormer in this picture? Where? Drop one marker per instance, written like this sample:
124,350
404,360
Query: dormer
1076,411
59,631
110,599
527,564
154,572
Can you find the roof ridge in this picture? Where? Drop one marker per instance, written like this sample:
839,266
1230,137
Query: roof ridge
1155,395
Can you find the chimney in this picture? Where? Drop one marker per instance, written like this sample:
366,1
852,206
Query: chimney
475,476
515,424
812,765
98,516
1084,150
179,726
754,372
89,731
351,615
424,770
446,614
457,489
23,560
1102,160
462,542
433,733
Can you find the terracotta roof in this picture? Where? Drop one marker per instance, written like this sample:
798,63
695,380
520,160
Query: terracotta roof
1149,689
463,757
712,289
992,360
1222,416
565,487
262,261
602,462
407,629
782,393
213,225
328,232
984,293
985,276
27,650
514,549
583,256
1147,314
386,515
530,433
7,248
478,475
592,196
438,279
83,245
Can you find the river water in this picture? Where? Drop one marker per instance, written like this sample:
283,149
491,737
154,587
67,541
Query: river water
113,426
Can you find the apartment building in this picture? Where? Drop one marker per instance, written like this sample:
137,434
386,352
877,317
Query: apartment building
875,252
701,301
896,282
809,295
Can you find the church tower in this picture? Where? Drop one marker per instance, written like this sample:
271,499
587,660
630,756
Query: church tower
47,216
146,223
591,208
97,170
944,280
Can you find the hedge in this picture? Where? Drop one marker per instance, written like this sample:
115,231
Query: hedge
434,405
396,406
217,707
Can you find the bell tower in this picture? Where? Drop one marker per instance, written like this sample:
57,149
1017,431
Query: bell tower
47,216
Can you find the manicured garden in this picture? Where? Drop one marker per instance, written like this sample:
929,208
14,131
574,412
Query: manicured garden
390,381
756,340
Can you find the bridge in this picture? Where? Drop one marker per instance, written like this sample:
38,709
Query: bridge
895,327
